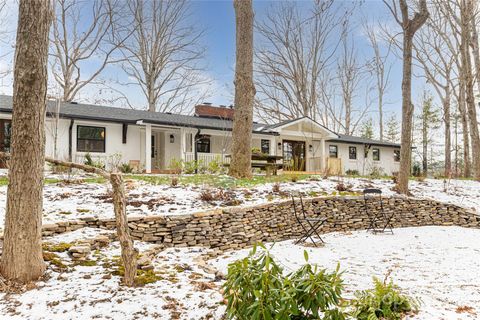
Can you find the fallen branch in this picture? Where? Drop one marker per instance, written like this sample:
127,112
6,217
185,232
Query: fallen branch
129,254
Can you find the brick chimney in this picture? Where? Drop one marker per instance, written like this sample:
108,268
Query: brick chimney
206,110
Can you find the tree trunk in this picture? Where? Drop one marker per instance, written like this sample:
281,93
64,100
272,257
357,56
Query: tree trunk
409,27
425,145
129,254
407,116
380,114
475,50
465,130
22,249
447,123
240,165
466,17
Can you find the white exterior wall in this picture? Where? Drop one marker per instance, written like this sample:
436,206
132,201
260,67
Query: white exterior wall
365,165
113,142
220,141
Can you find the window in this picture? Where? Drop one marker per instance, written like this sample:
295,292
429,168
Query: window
203,144
352,153
152,146
265,146
396,155
333,151
90,139
376,154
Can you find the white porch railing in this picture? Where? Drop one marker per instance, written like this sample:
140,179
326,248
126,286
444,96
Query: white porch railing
206,158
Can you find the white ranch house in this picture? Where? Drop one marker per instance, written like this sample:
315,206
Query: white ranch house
150,141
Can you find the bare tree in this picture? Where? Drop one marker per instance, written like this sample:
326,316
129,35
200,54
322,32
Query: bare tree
293,54
438,62
428,121
22,250
240,166
393,131
449,10
409,26
349,74
380,68
82,34
466,16
163,54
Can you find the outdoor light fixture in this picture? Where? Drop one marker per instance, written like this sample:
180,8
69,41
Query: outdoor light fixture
279,146
310,148
172,138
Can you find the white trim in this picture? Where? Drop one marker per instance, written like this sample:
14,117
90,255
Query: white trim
148,148
330,134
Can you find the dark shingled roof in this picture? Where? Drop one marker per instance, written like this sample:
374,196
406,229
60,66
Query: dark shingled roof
122,115
359,140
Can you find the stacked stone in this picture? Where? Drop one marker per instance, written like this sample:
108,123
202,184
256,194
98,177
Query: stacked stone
238,227
81,250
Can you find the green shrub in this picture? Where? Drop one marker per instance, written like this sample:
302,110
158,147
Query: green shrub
384,301
351,172
125,168
90,162
256,289
176,165
256,150
416,170
376,172
215,166
190,167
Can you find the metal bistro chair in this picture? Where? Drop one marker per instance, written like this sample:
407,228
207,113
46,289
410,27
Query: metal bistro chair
379,221
309,225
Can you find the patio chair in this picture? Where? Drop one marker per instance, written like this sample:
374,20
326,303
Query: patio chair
310,226
379,221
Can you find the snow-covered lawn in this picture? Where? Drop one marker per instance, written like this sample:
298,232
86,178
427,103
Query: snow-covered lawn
440,265
92,292
67,201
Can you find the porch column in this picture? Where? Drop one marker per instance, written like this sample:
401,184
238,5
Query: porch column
273,147
148,148
323,158
182,143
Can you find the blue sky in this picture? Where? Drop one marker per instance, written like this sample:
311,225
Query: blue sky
218,20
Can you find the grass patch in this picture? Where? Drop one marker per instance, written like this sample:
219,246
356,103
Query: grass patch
218,181
86,263
54,259
146,276
4,180
57,247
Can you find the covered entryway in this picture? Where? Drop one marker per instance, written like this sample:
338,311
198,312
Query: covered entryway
294,157
301,142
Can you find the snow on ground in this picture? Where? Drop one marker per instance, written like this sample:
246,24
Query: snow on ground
439,265
67,201
92,292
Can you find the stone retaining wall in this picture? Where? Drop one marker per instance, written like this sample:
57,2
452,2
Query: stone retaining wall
238,227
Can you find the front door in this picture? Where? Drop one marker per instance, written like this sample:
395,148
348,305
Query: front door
294,155
5,135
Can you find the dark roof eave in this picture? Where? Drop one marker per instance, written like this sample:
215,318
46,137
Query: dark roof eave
379,143
203,127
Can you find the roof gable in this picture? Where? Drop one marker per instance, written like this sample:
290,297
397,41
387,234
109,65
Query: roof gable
300,124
